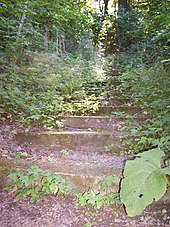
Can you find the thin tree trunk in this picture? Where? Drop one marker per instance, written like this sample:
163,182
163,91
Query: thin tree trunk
100,6
63,44
60,47
21,24
57,42
106,7
123,42
123,4
46,35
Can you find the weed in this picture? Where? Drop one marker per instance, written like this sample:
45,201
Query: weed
20,155
121,114
157,213
64,153
3,168
35,183
152,133
103,197
87,224
7,129
116,212
60,124
5,151
149,87
88,213
109,148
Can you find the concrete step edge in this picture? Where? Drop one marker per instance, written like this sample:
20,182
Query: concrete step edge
79,176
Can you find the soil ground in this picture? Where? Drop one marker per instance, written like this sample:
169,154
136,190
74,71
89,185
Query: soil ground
63,212
59,211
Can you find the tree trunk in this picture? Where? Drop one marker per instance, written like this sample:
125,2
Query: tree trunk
106,7
123,4
57,42
123,42
21,24
60,46
63,43
46,35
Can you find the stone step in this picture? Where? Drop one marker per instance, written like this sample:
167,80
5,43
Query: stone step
116,102
114,82
115,73
111,101
98,123
118,94
107,85
115,99
108,110
87,141
79,175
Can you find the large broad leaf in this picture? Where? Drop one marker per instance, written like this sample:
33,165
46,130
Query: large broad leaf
153,155
143,183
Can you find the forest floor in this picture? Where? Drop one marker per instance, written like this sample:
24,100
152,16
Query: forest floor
63,212
60,211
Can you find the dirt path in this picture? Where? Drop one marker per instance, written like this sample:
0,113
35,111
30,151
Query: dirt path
63,212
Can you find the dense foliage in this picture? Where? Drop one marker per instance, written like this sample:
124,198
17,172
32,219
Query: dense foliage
50,86
142,26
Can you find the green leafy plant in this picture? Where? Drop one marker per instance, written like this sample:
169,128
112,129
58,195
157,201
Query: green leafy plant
147,89
103,197
90,197
60,124
20,155
87,224
121,114
35,183
97,199
108,181
109,148
144,181
35,95
152,133
64,153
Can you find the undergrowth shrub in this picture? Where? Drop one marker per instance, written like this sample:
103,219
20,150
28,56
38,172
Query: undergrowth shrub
35,183
51,85
145,178
149,86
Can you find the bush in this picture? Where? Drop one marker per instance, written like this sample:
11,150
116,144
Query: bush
148,86
50,86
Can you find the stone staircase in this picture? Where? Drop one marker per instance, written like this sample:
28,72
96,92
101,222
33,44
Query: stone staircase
87,148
